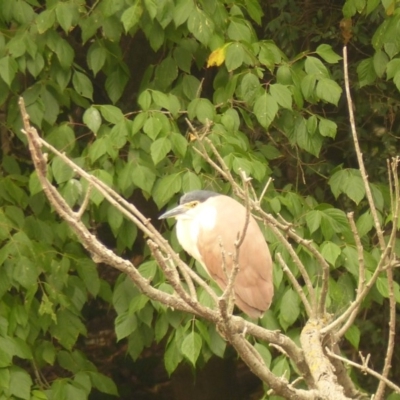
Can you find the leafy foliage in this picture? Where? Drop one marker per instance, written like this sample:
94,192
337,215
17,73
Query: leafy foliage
110,83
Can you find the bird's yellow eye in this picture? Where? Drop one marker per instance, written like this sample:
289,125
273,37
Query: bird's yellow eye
193,204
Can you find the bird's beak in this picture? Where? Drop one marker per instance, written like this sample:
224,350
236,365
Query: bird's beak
178,210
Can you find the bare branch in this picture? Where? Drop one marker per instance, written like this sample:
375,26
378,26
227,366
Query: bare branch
295,284
394,185
361,277
357,148
227,298
364,368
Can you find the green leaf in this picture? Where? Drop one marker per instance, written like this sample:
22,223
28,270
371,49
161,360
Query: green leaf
98,148
313,220
191,87
148,269
217,344
314,66
115,83
281,368
125,324
35,65
87,271
159,149
265,109
152,127
161,99
190,182
396,80
333,221
325,51
250,87
67,14
327,128
392,68
144,100
8,69
73,392
82,84
366,72
25,272
308,84
68,328
350,261
103,383
92,118
161,328
61,171
202,109
264,353
172,356
311,124
289,308
380,61
165,188
200,26
65,53
234,56
310,143
96,57
349,182
151,7
143,177
282,95
254,9
131,16
382,286
179,144
126,236
182,11
45,20
364,224
20,383
238,30
191,347
23,12
330,251
328,90
353,336
111,114
166,73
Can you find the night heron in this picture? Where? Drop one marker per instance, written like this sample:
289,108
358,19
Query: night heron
208,225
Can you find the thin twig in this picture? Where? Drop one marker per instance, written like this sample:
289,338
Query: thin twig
361,277
359,155
394,183
229,293
265,188
364,368
85,202
295,284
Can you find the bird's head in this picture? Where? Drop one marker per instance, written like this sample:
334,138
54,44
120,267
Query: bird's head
187,208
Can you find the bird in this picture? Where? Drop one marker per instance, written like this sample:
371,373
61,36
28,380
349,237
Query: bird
208,225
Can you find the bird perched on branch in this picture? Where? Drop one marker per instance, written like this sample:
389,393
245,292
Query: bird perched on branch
209,227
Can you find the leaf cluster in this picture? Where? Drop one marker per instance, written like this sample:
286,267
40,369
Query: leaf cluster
111,84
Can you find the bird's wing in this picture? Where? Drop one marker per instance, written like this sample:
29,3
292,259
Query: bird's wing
253,284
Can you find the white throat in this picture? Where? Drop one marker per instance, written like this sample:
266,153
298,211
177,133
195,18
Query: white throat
189,224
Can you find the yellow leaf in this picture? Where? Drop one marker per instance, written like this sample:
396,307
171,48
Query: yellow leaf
217,57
